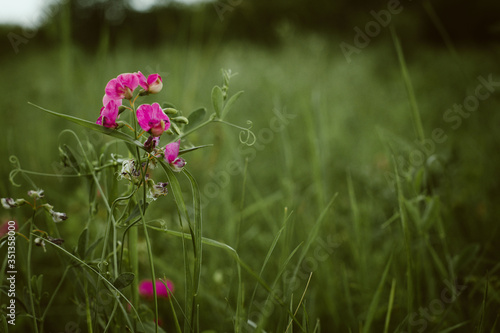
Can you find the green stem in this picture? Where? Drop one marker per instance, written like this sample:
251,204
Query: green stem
87,308
148,242
30,289
150,256
134,264
195,128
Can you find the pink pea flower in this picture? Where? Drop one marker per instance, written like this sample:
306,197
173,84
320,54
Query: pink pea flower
109,114
146,288
8,226
106,99
152,119
122,86
172,156
153,84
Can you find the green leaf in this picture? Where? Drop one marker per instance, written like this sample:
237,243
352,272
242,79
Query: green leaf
195,118
124,280
92,247
187,150
230,103
90,125
217,100
82,244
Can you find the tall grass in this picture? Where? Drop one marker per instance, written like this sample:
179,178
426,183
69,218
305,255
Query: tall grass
278,252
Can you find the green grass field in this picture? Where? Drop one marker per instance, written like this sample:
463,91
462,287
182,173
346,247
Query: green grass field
352,224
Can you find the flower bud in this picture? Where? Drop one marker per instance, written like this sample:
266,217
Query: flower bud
178,164
36,194
57,241
151,143
155,83
40,242
181,120
9,203
170,111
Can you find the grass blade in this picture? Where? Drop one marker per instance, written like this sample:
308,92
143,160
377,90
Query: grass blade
375,300
417,121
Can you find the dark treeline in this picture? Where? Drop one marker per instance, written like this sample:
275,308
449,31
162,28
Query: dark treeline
91,23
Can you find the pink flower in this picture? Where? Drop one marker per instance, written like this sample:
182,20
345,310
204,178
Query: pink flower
106,99
122,86
8,226
146,288
109,114
172,156
152,84
152,119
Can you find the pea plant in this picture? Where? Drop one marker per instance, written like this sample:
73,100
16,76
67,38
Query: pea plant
128,182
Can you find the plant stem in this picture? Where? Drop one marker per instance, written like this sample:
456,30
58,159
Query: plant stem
150,257
30,289
134,264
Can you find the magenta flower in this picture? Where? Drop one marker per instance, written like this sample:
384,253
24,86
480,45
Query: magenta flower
109,114
122,86
8,226
152,119
106,99
172,156
146,288
152,84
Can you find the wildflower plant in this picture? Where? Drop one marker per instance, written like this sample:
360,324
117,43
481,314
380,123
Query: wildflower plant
154,155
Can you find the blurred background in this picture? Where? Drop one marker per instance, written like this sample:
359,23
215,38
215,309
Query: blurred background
330,72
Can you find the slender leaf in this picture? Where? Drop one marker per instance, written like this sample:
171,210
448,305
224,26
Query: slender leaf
188,150
90,125
230,103
82,243
376,298
217,100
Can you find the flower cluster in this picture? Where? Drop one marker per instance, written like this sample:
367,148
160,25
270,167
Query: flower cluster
151,118
9,203
122,87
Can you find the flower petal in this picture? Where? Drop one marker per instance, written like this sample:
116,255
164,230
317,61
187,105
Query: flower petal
129,80
172,151
144,113
142,80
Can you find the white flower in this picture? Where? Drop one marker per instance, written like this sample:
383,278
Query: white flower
157,190
9,203
36,194
57,216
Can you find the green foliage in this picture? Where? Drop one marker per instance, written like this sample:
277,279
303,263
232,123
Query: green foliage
240,233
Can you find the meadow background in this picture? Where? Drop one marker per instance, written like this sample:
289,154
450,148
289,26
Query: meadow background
414,253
